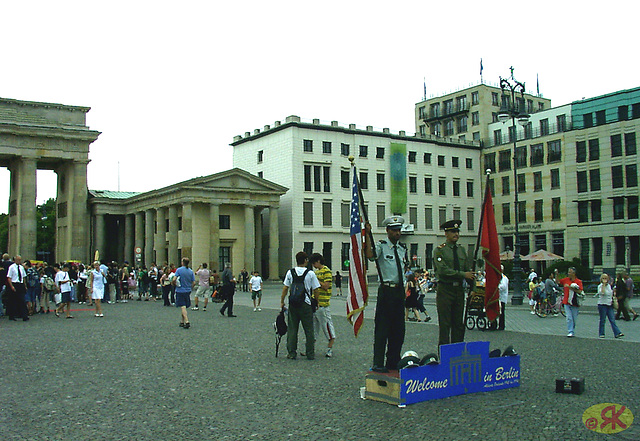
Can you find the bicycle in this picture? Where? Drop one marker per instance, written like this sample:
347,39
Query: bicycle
548,307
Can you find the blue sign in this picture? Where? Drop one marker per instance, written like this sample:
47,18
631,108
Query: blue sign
464,368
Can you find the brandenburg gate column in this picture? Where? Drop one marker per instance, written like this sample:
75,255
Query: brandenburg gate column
99,233
274,241
149,224
257,261
161,235
214,236
249,238
139,228
22,208
187,231
173,235
71,210
129,237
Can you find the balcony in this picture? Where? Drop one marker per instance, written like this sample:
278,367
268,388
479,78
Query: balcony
447,113
530,133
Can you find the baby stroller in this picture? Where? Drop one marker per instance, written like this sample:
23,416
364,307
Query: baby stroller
474,314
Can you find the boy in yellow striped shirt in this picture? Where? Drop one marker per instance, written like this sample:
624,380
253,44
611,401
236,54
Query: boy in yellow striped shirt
322,317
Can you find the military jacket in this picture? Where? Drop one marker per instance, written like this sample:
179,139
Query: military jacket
385,256
443,262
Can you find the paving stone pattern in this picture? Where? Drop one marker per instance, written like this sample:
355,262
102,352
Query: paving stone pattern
135,375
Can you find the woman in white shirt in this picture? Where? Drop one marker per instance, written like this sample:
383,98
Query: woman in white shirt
605,307
96,283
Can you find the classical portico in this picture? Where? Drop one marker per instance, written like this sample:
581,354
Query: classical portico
36,136
230,216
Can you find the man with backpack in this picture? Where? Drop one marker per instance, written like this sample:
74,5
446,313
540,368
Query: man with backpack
301,283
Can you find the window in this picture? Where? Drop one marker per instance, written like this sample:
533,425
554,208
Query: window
260,156
631,171
474,98
623,113
594,179
521,156
584,252
557,241
475,119
616,145
428,185
428,218
497,137
364,180
505,186
435,129
620,252
224,256
307,178
588,120
307,145
380,181
448,107
442,187
581,151
561,122
421,113
345,214
317,177
512,133
617,180
412,156
455,162
344,179
583,211
632,208
522,211
544,127
344,149
538,214
435,110
492,187
224,221
307,213
441,160
413,216
326,214
456,188
555,178
537,154
364,151
326,179
554,151
490,161
469,189
522,183
537,181
471,224
413,184
469,163
630,144
494,98
596,210
504,160
634,241
618,208
600,118
506,214
462,124
456,213
448,128
380,152
528,130
529,106
581,179
555,209
442,215
596,243
461,103
594,149
427,158
326,147
380,211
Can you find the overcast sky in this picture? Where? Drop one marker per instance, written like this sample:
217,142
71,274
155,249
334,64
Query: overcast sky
171,83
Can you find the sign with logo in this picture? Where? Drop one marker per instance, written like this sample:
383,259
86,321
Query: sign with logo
138,250
464,368
607,418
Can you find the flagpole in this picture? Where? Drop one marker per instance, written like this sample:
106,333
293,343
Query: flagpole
484,200
364,212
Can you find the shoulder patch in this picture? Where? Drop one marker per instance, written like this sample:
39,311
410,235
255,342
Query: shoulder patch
382,241
402,245
442,245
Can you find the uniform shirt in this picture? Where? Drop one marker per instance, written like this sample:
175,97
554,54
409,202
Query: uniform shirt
310,281
385,256
443,261
14,276
324,295
503,289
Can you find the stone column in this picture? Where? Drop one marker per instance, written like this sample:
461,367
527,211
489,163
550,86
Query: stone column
274,241
149,224
173,235
78,212
22,208
258,253
187,231
128,237
249,238
214,236
100,235
161,235
139,228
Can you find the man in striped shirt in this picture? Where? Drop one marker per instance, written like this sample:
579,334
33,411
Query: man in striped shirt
322,317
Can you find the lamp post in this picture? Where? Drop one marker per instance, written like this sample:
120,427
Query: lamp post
513,107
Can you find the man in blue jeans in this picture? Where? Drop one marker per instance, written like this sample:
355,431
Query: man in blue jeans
184,282
573,289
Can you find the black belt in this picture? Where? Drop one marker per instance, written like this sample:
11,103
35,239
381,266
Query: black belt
391,284
450,283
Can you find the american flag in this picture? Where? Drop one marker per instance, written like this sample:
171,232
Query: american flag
358,294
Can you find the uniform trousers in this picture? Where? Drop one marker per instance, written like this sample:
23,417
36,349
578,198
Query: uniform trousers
16,306
450,304
389,328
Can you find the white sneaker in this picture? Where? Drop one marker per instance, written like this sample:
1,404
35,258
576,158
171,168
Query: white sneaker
533,312
570,334
329,353
259,309
195,308
255,309
101,315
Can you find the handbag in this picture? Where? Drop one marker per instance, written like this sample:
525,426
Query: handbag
614,302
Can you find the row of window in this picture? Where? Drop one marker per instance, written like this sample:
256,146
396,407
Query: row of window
601,115
596,251
448,107
618,174
554,154
529,132
538,211
591,211
592,147
224,222
381,214
540,242
522,185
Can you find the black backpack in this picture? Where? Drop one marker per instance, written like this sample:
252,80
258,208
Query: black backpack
298,293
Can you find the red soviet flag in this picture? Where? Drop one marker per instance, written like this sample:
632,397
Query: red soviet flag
491,256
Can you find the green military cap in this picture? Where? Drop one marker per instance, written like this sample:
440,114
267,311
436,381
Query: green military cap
451,225
393,222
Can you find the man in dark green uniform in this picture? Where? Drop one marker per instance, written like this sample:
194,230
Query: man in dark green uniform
391,258
452,267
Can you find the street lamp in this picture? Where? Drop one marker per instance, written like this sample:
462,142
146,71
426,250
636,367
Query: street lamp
513,107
